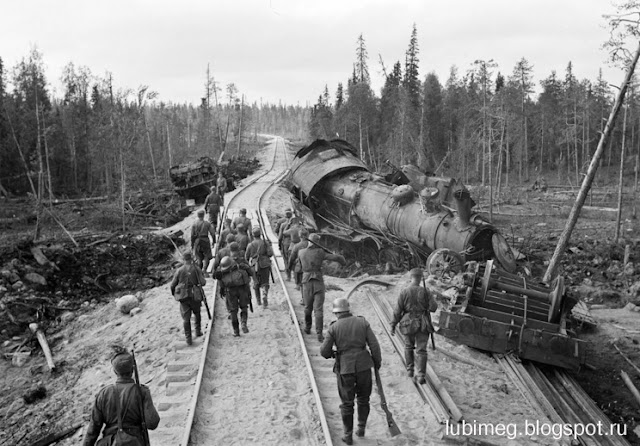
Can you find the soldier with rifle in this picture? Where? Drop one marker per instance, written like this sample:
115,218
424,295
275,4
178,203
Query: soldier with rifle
200,232
226,231
412,315
235,279
186,289
125,409
351,336
243,220
212,205
286,236
313,290
259,254
294,264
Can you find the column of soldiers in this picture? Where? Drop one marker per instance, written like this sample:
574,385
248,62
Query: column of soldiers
349,339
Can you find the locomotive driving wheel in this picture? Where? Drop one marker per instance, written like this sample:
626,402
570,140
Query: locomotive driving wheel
444,263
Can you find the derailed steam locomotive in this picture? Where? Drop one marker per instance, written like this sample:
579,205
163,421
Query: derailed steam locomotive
430,216
336,191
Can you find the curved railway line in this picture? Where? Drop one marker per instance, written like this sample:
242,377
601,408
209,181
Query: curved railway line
293,389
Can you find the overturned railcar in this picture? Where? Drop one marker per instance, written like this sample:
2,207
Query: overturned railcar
334,188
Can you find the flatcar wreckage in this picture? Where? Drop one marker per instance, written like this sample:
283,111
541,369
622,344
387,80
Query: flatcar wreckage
432,218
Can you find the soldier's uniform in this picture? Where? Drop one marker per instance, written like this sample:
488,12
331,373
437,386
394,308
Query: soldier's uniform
259,254
235,279
293,264
212,205
242,220
242,238
282,221
223,252
287,231
108,406
313,290
351,335
226,230
200,232
221,184
190,275
413,303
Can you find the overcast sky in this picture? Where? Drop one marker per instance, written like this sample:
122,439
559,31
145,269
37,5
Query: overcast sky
289,49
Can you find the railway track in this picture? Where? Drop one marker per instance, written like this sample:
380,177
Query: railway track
225,390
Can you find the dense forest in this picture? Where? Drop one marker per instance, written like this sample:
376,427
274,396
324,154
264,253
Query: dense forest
481,125
94,136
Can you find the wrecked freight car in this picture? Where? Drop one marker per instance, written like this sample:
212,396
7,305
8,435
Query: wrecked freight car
335,192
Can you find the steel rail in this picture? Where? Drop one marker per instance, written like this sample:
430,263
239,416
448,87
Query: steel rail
294,320
207,342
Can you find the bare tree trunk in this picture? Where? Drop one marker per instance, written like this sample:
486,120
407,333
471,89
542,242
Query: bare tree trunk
575,139
169,148
541,144
240,126
591,172
360,136
36,233
46,152
635,187
621,181
153,161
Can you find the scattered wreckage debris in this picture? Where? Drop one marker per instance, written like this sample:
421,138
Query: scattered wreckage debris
47,283
501,312
336,193
193,180
44,345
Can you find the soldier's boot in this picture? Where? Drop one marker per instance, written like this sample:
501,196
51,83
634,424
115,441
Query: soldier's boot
288,276
235,325
422,368
347,422
243,317
319,326
409,360
198,326
363,414
258,293
187,332
307,324
265,301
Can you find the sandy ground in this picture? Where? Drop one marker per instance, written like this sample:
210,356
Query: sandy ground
268,357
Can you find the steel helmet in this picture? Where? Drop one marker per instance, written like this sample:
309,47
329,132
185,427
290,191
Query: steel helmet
226,263
256,232
230,238
314,238
234,246
341,305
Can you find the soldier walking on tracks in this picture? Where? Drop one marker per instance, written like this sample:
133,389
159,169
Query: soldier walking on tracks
243,220
221,184
235,279
311,259
351,335
200,232
259,253
294,265
413,318
117,406
185,279
212,205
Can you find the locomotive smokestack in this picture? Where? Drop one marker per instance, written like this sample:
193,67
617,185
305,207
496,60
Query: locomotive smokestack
463,204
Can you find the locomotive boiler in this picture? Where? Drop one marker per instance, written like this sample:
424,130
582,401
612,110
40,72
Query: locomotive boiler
430,216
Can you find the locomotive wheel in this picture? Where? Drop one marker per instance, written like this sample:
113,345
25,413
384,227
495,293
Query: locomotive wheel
444,263
503,252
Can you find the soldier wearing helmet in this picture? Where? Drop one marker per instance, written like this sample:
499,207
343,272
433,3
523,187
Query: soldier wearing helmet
200,232
242,220
351,335
313,290
258,254
212,205
412,315
281,221
288,235
294,264
189,275
221,184
235,279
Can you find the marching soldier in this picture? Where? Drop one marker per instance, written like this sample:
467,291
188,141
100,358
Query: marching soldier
282,221
226,251
293,236
221,184
107,410
200,232
259,254
242,220
242,238
293,264
284,240
226,230
351,335
413,317
235,279
187,277
313,290
212,205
